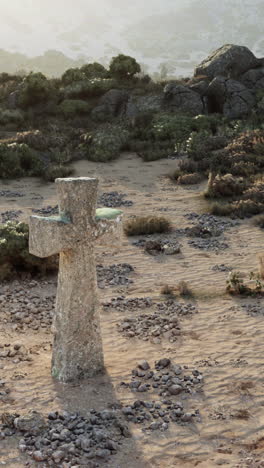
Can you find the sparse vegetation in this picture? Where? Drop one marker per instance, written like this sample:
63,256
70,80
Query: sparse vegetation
14,255
144,225
235,284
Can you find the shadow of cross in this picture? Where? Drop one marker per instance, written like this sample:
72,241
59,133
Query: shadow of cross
77,347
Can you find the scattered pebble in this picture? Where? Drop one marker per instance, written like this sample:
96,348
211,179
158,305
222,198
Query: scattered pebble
10,215
122,304
254,309
222,267
10,194
114,275
208,244
48,210
114,200
213,223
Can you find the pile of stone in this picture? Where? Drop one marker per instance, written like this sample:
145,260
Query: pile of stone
114,275
158,246
16,352
114,200
171,307
211,223
46,211
25,308
68,439
10,194
10,215
208,244
151,327
122,304
157,415
166,378
254,309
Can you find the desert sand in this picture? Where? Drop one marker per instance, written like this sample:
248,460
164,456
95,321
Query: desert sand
222,340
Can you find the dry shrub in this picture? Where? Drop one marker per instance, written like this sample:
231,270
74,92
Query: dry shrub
238,209
144,225
241,414
184,289
224,186
261,266
186,179
167,290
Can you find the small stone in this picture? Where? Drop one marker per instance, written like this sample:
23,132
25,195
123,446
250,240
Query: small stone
175,389
144,365
38,456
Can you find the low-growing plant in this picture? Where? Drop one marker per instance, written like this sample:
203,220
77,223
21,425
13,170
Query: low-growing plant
35,89
70,107
55,171
88,88
104,144
167,290
235,284
145,225
14,253
259,221
18,160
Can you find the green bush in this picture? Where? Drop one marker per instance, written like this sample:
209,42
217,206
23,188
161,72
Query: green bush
124,67
88,88
176,128
55,171
35,89
70,107
9,116
18,160
104,144
14,253
94,70
71,75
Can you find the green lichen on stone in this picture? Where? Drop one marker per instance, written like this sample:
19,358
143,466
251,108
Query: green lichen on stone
107,213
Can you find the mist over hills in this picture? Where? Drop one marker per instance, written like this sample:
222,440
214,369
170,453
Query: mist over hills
175,34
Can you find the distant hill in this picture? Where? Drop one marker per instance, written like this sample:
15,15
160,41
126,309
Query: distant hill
169,37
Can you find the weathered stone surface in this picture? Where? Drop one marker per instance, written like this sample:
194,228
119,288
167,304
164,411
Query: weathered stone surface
253,78
144,104
182,98
110,105
77,348
229,97
230,61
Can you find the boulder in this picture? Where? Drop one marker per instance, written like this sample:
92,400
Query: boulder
181,98
229,97
253,78
230,61
110,105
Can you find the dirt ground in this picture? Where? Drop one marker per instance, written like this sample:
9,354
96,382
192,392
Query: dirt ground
222,339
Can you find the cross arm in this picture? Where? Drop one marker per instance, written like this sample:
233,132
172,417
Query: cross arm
49,236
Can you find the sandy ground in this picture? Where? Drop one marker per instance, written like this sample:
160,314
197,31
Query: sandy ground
222,340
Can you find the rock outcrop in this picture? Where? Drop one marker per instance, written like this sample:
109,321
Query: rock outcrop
181,98
229,97
230,61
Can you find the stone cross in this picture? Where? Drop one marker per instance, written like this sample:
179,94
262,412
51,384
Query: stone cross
77,347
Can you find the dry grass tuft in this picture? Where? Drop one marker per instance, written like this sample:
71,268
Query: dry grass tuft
144,225
167,290
184,289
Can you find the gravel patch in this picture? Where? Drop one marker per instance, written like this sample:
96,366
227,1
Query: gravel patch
10,194
47,211
122,304
114,275
68,439
114,200
10,215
